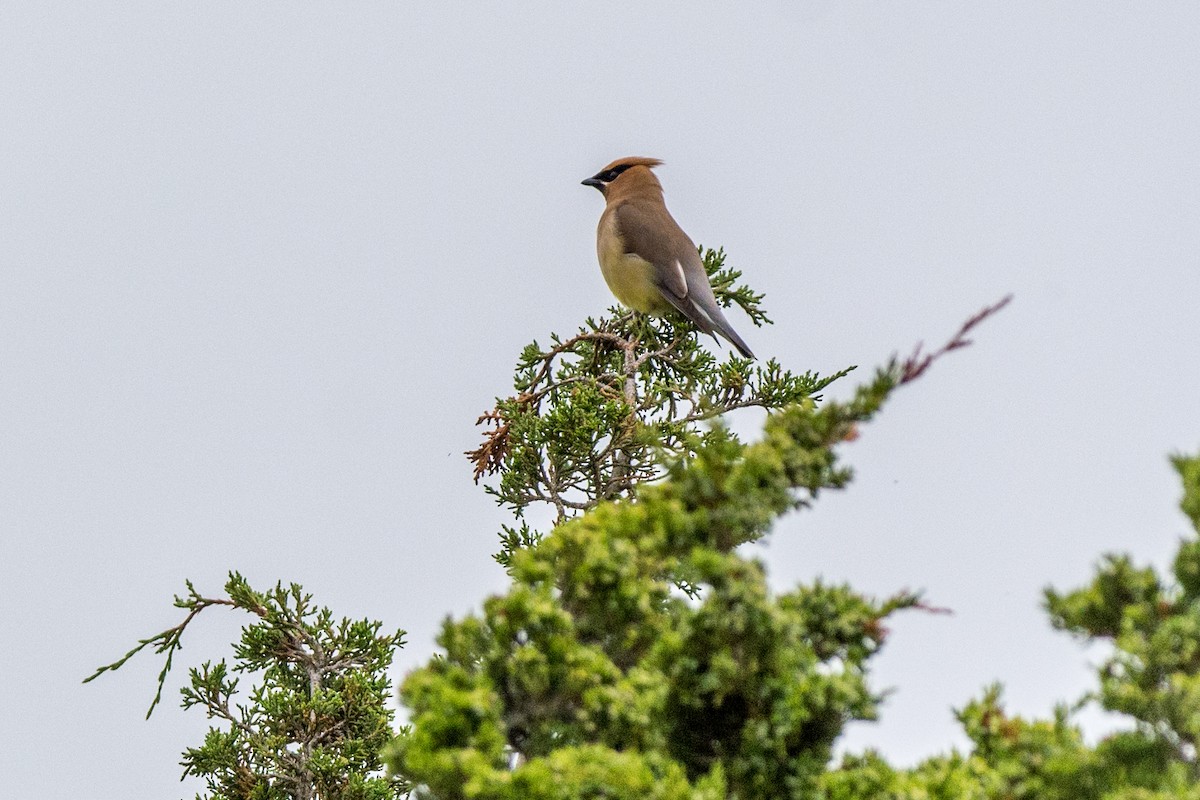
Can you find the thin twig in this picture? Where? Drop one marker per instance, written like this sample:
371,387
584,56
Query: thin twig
916,364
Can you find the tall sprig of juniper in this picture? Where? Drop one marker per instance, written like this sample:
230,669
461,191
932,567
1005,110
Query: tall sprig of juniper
599,413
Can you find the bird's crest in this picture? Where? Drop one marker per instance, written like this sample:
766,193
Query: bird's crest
633,161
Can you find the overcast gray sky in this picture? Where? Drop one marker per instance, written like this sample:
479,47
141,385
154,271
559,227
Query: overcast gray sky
264,264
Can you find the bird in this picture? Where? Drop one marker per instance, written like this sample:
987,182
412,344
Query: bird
648,262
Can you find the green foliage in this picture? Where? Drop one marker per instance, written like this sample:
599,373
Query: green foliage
1152,675
318,716
1017,759
869,777
1189,472
638,653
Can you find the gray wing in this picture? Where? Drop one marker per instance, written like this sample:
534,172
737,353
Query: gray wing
650,232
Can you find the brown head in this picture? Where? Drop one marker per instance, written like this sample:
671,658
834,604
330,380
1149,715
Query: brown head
626,175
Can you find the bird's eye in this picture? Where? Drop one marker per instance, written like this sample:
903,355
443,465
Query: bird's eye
609,175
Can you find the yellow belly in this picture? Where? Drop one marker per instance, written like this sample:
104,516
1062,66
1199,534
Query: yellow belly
630,277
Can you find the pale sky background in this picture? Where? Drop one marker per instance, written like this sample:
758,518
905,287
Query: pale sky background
264,264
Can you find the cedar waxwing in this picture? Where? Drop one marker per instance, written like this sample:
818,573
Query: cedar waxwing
649,263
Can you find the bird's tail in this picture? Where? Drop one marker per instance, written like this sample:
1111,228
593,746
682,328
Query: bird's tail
717,324
731,335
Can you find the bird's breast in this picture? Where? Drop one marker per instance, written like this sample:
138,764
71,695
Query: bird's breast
629,276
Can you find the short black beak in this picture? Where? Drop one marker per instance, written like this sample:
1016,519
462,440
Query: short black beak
599,184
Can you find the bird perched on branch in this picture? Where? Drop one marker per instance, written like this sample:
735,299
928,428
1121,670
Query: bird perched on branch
649,263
